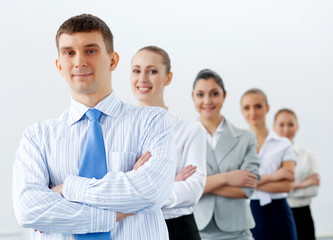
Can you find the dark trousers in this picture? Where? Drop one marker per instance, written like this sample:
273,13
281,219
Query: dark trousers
183,228
304,223
274,221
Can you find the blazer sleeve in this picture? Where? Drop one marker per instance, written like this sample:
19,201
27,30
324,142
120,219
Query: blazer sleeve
251,161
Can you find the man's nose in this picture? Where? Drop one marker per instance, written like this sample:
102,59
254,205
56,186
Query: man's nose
80,61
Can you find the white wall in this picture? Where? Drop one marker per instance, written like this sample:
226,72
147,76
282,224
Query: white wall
283,47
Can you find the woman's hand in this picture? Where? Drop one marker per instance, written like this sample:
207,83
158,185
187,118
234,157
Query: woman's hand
313,180
283,174
185,173
241,178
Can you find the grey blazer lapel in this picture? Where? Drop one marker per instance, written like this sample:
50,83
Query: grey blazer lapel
226,141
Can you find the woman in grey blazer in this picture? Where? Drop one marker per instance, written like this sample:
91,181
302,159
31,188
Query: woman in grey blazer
223,211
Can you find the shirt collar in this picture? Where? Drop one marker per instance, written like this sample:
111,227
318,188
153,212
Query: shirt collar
110,106
296,149
219,128
272,135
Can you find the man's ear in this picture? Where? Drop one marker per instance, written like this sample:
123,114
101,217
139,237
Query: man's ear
114,61
170,74
58,65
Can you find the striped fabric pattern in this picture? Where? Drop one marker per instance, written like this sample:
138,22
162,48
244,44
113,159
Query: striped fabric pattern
49,155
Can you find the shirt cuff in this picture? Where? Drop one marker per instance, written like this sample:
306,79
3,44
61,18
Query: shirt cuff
74,188
102,220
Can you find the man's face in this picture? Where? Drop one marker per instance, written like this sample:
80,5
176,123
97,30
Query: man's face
86,65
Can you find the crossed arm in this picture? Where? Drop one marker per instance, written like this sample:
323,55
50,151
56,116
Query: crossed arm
38,207
280,181
312,180
230,184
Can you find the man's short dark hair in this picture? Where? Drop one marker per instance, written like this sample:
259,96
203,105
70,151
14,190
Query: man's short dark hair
86,23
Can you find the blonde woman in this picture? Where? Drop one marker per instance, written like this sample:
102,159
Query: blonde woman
150,74
306,176
274,219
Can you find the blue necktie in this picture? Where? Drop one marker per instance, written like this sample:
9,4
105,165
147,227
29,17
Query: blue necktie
93,162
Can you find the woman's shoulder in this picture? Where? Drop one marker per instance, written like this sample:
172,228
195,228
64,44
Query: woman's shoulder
190,127
239,132
303,152
282,141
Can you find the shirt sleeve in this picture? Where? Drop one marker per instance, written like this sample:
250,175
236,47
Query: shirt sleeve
38,207
251,162
289,153
187,193
142,190
313,163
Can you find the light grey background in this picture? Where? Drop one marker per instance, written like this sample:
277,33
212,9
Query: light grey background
283,47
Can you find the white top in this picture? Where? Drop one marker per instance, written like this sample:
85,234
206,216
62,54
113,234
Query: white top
212,140
190,142
306,166
50,153
272,154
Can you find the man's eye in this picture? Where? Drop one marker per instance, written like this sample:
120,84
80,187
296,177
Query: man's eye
199,95
91,51
135,71
68,53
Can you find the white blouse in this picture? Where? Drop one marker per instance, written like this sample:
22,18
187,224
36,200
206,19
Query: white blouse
190,139
272,154
212,140
306,166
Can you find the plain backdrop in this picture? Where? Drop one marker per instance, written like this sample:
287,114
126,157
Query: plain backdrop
283,47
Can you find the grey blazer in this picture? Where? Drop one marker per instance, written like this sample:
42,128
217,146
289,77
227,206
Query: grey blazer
235,149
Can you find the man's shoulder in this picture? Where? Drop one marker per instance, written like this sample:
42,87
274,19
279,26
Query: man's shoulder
140,113
45,126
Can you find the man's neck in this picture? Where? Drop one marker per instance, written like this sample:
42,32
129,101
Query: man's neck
90,100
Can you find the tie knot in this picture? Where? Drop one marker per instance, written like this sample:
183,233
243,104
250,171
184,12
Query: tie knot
93,114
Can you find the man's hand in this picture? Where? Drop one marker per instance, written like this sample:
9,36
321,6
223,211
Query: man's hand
57,189
122,216
185,173
242,178
142,160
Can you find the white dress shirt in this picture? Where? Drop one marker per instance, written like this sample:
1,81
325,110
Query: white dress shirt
49,154
272,154
191,149
212,140
306,166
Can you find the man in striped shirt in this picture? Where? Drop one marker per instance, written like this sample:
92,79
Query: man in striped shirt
48,194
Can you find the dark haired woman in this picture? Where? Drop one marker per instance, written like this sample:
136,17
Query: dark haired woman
149,75
232,166
272,214
306,176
